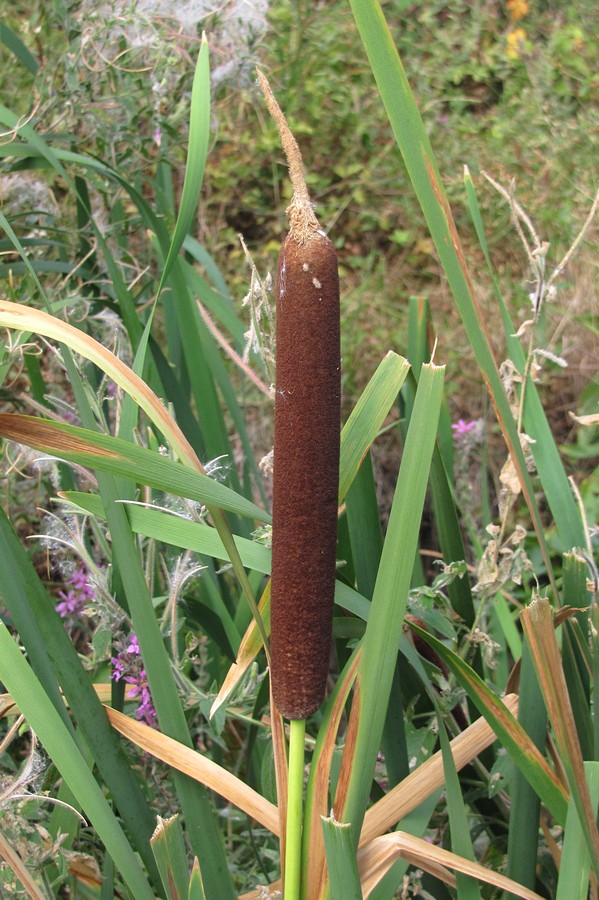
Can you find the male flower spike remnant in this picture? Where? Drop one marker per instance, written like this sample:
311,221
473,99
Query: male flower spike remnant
306,449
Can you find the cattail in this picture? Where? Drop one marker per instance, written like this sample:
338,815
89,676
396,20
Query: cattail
306,449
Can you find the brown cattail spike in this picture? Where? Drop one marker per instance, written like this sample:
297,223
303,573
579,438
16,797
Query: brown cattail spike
306,451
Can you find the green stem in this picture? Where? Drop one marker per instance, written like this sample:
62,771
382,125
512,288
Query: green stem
293,845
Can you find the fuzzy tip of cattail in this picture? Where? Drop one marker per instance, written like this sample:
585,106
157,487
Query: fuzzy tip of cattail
303,224
306,449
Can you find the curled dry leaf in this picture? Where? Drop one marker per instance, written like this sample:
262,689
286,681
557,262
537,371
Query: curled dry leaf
375,860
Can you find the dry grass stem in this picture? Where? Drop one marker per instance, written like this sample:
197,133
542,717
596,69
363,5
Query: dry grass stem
20,870
231,353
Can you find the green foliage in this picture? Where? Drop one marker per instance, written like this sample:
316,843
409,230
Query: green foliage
149,568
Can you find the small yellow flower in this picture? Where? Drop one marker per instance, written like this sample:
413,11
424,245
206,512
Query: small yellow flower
516,9
516,41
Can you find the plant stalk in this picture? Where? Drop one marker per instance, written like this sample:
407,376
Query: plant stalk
295,787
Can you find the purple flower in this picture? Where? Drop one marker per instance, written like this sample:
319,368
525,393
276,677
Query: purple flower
71,606
460,428
145,711
79,595
133,645
128,665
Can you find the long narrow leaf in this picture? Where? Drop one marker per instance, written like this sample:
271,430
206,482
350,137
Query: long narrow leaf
14,43
417,153
202,829
574,871
507,728
53,657
197,152
126,460
198,767
342,864
168,847
461,842
523,835
368,415
14,862
59,744
14,315
317,791
383,632
375,859
537,619
428,777
161,525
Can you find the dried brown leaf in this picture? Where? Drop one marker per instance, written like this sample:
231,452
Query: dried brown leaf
192,763
428,777
377,857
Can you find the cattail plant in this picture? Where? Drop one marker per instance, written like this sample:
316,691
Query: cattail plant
306,448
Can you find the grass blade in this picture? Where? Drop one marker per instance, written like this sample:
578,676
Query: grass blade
163,526
14,862
577,659
573,882
364,525
537,619
198,767
168,847
202,830
197,152
53,656
317,791
383,632
16,46
523,834
344,878
417,153
196,885
429,777
14,315
458,820
375,859
124,459
506,727
368,415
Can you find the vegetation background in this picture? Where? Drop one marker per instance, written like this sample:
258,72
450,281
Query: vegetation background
507,88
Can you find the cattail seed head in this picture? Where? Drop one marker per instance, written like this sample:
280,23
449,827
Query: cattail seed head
306,448
306,473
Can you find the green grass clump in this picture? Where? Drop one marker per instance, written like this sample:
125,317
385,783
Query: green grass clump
455,749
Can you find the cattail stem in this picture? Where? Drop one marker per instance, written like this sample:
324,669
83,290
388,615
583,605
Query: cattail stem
293,831
306,449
